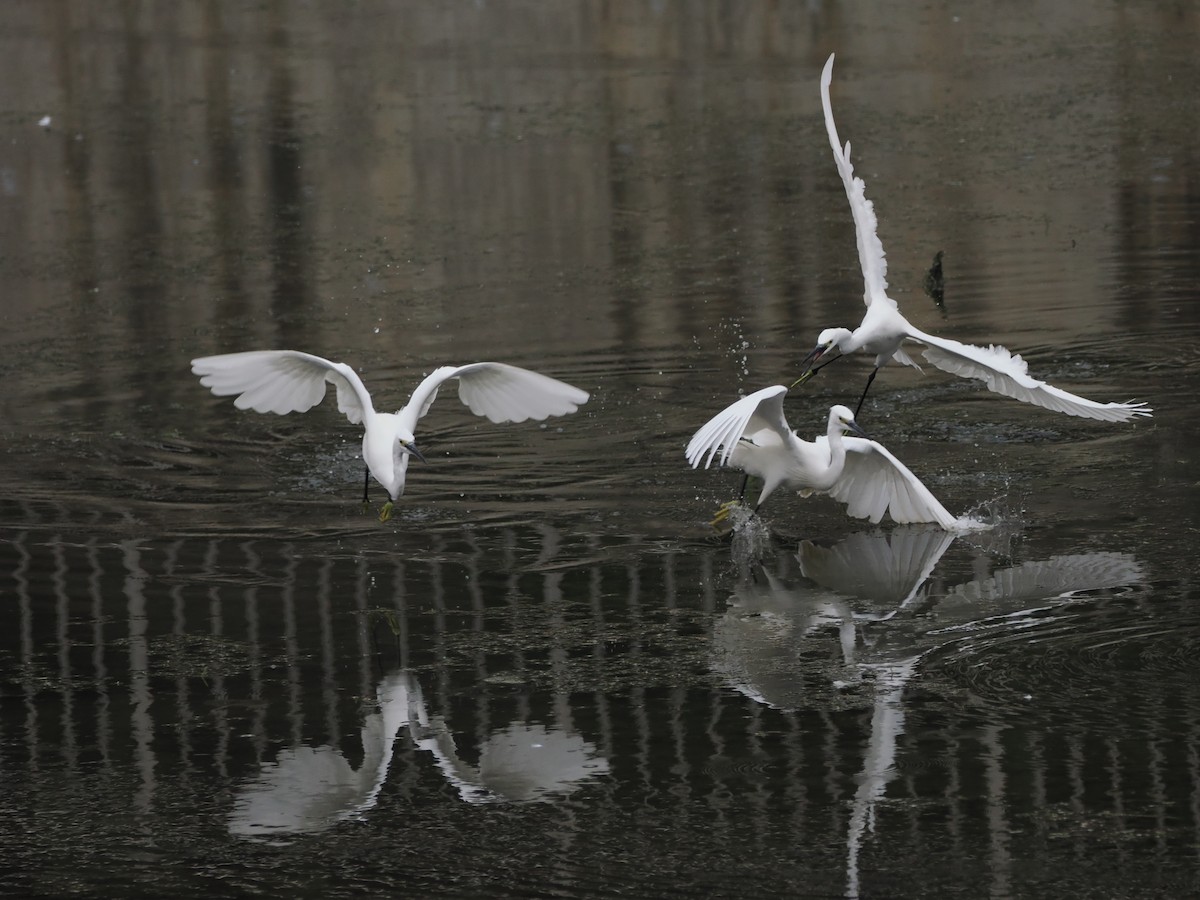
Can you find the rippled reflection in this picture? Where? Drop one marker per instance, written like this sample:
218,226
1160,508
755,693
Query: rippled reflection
853,684
519,762
769,644
192,610
310,788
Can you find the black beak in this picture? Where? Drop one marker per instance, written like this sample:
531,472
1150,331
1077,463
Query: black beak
856,428
806,364
813,356
412,448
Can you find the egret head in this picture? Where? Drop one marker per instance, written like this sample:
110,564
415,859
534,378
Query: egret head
841,418
832,337
388,445
826,341
409,446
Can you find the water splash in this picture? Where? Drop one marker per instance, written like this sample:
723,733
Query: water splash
751,538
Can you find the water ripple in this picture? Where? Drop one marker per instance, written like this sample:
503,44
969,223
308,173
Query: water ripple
1091,659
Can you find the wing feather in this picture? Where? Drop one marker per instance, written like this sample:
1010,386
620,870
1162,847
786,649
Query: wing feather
1006,373
866,226
874,482
282,381
754,413
501,393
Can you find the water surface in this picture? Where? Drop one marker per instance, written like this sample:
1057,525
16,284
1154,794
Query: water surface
547,675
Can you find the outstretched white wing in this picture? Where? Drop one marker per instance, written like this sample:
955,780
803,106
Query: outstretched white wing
500,392
282,381
870,249
754,413
874,482
1006,373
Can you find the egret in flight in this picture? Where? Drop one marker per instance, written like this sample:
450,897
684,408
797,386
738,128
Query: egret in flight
752,435
284,381
884,329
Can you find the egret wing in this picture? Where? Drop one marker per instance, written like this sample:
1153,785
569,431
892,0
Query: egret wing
282,381
1006,373
500,392
866,226
874,482
762,410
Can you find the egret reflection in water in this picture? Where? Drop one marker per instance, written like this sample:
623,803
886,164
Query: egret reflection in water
308,789
518,763
758,643
312,788
768,645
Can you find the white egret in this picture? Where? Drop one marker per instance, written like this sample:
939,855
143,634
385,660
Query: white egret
884,329
752,435
284,381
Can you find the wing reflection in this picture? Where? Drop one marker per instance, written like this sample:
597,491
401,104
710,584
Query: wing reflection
885,569
770,645
1056,577
758,645
519,763
309,789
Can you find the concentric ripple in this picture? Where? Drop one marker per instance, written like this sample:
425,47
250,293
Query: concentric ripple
1087,659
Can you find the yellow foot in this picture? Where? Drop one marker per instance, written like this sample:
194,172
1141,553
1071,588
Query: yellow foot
723,513
803,378
386,512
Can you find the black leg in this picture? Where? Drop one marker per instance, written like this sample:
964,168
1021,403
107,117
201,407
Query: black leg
366,483
742,496
870,378
813,371
827,362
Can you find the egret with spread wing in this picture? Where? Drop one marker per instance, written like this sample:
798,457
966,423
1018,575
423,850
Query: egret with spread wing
752,435
285,381
884,329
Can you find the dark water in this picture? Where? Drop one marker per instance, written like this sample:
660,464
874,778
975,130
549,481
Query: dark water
547,676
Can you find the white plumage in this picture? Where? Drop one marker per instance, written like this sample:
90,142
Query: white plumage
752,435
884,329
285,381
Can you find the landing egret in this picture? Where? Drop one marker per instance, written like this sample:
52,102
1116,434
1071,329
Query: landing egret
884,329
284,381
752,435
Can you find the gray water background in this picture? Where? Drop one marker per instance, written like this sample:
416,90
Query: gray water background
547,675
